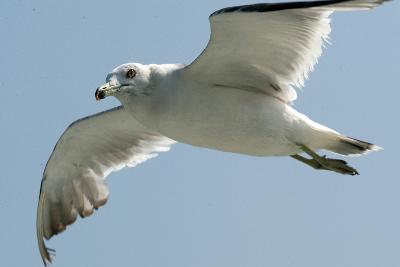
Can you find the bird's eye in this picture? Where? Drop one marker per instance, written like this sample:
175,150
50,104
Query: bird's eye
130,73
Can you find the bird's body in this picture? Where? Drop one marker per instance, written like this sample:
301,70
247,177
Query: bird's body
236,96
223,118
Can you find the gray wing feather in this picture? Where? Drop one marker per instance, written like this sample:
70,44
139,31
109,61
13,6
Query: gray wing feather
74,178
268,48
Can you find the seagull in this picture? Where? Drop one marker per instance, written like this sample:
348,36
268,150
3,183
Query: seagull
236,96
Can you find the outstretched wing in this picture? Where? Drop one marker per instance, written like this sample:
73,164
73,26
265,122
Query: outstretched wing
74,179
267,48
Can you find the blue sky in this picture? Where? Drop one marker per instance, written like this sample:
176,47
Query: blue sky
192,206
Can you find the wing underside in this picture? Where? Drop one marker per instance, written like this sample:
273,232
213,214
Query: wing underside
269,48
74,179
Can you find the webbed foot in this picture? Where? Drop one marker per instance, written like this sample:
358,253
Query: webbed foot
323,163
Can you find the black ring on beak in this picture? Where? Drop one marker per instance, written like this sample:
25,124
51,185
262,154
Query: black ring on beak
99,94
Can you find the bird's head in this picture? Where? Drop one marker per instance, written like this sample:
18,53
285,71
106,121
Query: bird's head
131,79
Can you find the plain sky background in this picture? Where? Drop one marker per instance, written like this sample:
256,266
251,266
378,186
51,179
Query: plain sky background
194,207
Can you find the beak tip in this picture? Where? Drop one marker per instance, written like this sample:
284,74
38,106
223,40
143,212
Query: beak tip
99,95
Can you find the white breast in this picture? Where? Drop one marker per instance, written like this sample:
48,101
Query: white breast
224,119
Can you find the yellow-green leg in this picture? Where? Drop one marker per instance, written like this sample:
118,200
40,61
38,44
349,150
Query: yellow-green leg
323,163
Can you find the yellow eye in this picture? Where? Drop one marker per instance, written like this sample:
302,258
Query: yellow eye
130,73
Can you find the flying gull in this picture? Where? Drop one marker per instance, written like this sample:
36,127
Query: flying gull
236,97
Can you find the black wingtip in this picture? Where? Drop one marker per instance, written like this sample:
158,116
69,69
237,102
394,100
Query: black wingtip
269,7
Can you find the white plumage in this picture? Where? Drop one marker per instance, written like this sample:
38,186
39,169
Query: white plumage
234,97
73,181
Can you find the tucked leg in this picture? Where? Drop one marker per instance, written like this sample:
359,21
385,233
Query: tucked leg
310,162
324,163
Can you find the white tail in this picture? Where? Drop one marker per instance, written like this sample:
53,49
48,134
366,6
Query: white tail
349,146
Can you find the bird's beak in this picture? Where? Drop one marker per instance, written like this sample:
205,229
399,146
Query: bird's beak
106,89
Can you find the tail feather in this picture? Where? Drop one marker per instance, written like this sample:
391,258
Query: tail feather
350,146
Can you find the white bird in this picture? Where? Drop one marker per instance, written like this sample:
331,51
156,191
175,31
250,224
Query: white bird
236,96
